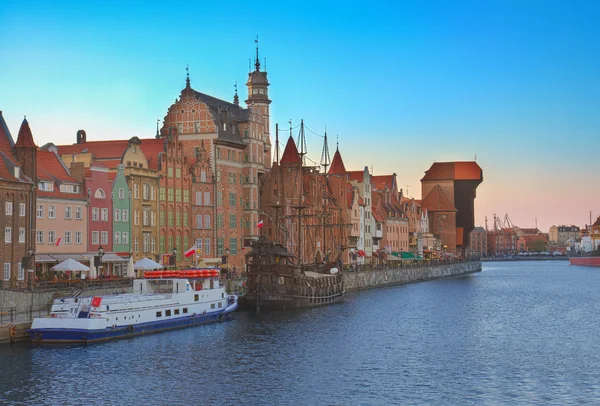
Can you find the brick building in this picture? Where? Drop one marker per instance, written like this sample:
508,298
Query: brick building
17,197
477,243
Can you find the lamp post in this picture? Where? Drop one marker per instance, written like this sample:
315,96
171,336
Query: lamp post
31,267
175,258
100,255
224,261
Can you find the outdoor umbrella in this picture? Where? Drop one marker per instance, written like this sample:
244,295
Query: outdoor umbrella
70,265
130,271
147,264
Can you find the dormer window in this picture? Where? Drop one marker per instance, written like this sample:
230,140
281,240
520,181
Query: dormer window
99,194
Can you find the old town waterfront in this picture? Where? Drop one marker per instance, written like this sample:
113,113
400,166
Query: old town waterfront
517,332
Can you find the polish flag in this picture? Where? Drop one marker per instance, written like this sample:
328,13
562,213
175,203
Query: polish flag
190,252
260,224
58,241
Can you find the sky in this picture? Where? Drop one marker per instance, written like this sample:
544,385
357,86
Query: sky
403,84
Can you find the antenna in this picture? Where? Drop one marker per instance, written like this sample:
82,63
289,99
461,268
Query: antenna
486,225
407,186
277,142
301,141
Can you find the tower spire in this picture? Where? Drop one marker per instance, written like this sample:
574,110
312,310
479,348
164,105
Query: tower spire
301,140
325,159
187,80
157,133
257,63
236,99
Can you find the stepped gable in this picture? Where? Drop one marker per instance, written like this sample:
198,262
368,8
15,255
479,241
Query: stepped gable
437,200
290,154
337,165
467,170
25,138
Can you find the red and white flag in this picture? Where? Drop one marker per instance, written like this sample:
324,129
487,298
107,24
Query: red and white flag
190,252
59,241
260,224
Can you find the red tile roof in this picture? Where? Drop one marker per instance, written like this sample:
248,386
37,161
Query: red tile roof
113,149
290,154
357,176
151,147
25,138
437,200
49,166
454,171
337,164
6,141
379,182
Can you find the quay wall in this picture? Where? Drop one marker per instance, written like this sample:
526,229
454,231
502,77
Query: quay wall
355,281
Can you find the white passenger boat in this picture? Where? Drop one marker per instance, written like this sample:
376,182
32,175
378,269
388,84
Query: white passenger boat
163,300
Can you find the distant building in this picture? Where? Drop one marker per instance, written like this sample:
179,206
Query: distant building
478,243
560,234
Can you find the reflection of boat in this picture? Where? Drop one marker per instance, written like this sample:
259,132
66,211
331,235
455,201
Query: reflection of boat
274,281
165,300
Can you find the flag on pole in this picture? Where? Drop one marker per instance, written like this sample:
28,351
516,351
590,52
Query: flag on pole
190,251
58,241
260,224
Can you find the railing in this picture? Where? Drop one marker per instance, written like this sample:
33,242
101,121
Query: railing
41,310
403,264
71,284
7,314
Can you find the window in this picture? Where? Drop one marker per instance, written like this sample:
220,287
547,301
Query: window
185,310
125,215
196,130
186,196
219,221
104,237
99,194
51,236
136,244
67,237
212,305
153,244
125,237
8,208
68,213
207,198
8,234
207,221
152,218
178,219
168,312
95,211
51,211
162,243
232,199
162,218
203,175
117,238
6,271
40,211
117,215
162,194
232,221
170,215
219,199
170,172
199,198
136,191
20,272
196,298
78,213
176,311
198,220
233,246
185,219
171,192
220,244
136,217
22,234
146,191
146,242
104,214
232,178
95,235
153,192
178,172
121,193
39,237
206,246
146,216
78,237
158,314
22,209
178,195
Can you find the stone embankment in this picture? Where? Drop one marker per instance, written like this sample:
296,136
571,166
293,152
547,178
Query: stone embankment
354,281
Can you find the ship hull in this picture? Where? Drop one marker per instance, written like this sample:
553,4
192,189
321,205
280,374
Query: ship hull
63,335
585,261
283,302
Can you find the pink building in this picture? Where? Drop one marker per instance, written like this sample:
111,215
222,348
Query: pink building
98,187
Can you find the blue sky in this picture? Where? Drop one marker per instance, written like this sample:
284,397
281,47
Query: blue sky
402,83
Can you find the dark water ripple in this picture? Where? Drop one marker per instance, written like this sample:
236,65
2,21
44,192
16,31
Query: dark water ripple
517,333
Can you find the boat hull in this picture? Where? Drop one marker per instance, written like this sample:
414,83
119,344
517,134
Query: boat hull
282,302
585,261
63,335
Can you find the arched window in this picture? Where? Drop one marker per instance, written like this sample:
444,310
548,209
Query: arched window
99,194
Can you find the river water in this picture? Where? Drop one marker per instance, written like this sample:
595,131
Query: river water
515,333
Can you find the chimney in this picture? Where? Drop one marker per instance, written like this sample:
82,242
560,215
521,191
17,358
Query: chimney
81,137
77,170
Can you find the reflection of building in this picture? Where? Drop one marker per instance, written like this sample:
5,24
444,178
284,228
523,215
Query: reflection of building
478,243
449,190
17,194
560,234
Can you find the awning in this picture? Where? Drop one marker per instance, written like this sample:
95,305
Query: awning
41,258
64,257
392,258
109,257
361,253
408,255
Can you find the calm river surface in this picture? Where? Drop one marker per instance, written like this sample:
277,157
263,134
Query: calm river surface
516,333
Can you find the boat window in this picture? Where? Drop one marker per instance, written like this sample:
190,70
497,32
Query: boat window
222,295
176,311
167,312
196,297
184,310
220,305
158,314
212,305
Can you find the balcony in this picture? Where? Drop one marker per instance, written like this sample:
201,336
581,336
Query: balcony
377,234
